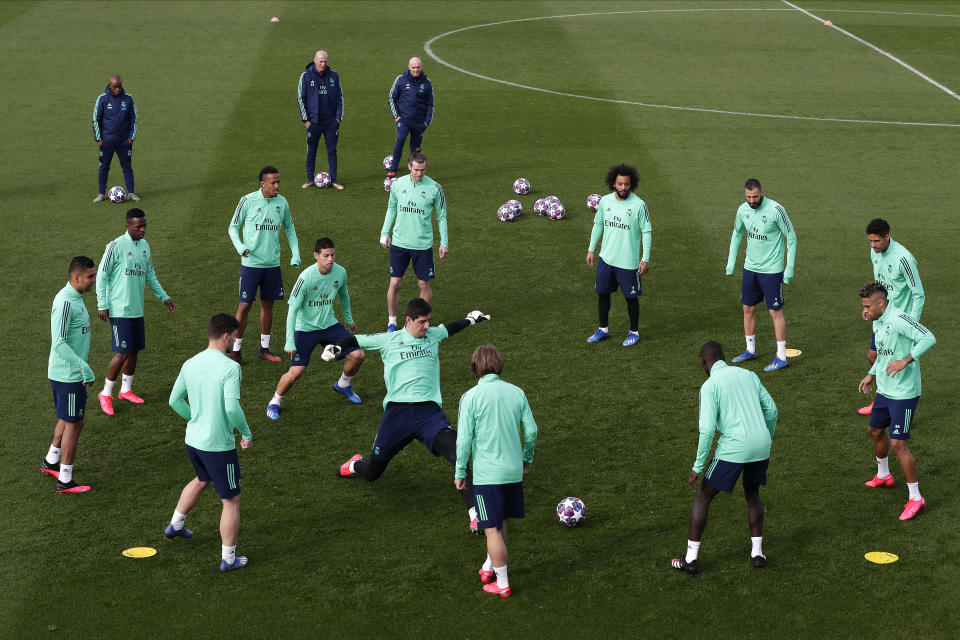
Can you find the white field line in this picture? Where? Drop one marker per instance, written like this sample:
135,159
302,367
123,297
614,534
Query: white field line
900,62
438,59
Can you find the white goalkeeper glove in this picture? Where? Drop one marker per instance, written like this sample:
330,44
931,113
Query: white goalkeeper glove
330,352
477,316
385,242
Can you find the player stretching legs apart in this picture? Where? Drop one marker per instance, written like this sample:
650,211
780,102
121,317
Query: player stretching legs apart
126,266
408,215
261,215
896,268
900,341
622,220
767,227
412,405
735,403
311,322
69,373
211,381
493,415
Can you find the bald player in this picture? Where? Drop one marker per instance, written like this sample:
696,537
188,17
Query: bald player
320,98
411,105
114,130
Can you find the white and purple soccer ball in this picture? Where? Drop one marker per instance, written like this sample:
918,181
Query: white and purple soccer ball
571,511
507,213
388,182
388,163
117,194
515,205
593,202
556,211
322,180
521,186
551,199
540,207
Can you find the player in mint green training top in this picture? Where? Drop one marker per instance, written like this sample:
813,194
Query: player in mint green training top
312,322
896,268
408,231
497,427
767,227
126,266
900,342
261,215
734,403
211,382
69,373
622,221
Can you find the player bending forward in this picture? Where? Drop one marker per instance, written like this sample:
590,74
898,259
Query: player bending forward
412,405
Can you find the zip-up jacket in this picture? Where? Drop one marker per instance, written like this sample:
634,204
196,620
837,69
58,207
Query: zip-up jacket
412,99
114,117
319,96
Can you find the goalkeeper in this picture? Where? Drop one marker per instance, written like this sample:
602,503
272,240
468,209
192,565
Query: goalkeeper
412,405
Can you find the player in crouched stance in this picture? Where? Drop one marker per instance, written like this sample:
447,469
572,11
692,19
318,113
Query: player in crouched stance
492,416
412,405
211,380
900,342
735,403
311,321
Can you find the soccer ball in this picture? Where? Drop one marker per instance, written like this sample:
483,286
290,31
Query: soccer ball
540,207
521,186
551,199
388,182
593,202
117,194
571,511
515,205
507,213
388,162
322,180
556,211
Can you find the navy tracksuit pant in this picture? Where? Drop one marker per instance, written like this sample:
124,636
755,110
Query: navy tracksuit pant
331,134
124,151
416,137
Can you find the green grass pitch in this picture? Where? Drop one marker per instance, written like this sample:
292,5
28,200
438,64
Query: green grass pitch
215,85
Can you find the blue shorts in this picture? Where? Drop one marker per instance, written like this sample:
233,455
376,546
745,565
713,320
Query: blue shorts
221,467
895,414
762,286
873,342
70,399
722,475
403,422
128,335
608,278
268,279
422,262
497,502
306,341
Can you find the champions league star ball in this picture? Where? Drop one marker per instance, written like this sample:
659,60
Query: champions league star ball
540,207
117,194
388,183
556,211
388,162
507,213
521,186
593,202
515,205
571,511
322,180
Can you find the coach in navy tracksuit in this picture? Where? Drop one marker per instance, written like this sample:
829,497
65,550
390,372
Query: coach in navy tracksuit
115,129
321,110
411,103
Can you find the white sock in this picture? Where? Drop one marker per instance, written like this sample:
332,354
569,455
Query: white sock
177,520
264,340
883,467
126,383
693,548
344,381
472,512
392,320
756,547
782,349
751,343
237,343
912,487
487,564
53,455
66,473
276,399
603,329
636,333
228,554
108,387
501,572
